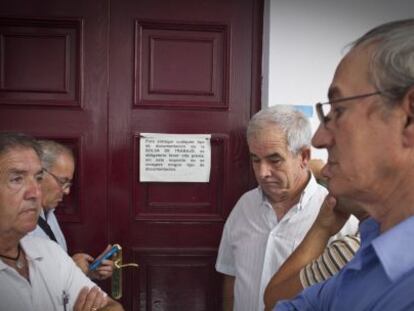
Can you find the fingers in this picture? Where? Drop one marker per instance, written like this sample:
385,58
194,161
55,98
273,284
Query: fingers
90,299
80,301
327,208
104,271
330,200
107,264
330,219
82,261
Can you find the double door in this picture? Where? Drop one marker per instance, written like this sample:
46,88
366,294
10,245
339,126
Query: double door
97,74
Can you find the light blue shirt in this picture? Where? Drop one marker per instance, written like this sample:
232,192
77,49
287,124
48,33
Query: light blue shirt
379,277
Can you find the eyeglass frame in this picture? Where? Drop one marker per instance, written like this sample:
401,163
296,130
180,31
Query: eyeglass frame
324,119
64,185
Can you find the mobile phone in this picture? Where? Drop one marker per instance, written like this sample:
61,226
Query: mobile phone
97,262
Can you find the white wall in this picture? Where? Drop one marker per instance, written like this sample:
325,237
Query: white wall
304,40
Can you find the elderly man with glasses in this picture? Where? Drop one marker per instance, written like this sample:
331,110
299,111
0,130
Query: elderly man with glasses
58,166
369,135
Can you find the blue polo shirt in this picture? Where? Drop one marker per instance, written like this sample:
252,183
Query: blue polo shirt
379,277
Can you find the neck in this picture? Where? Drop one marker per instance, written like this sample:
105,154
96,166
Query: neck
14,256
396,211
282,207
395,205
9,247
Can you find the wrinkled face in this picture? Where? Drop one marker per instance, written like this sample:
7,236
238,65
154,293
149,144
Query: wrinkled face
20,194
363,136
52,189
280,173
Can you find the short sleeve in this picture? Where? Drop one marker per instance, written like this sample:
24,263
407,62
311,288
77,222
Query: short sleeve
225,259
333,259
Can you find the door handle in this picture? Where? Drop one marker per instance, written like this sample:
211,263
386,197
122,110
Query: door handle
116,281
119,266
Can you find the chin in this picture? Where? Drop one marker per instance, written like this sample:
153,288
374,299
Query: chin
28,227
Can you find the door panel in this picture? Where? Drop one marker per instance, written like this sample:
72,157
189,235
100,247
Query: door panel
190,72
53,84
95,75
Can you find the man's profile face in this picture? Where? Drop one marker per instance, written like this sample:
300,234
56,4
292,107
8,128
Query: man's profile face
363,135
20,178
277,170
52,191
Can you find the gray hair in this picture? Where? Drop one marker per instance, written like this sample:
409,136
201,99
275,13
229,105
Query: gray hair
392,63
12,140
293,123
50,152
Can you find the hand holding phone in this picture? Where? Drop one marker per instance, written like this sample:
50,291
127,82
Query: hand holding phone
107,255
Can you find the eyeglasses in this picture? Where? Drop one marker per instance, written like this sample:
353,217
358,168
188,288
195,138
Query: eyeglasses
324,109
64,183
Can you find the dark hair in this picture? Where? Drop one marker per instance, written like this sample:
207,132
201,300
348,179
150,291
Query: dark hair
11,140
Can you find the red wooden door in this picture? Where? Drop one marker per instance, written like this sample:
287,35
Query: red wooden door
53,84
95,75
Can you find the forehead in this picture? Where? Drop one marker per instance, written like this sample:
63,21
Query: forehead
20,158
352,75
64,159
268,138
64,165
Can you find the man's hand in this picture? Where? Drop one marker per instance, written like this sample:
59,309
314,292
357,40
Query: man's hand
330,218
90,299
106,268
82,260
103,272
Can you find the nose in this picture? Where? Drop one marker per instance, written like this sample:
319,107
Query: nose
33,190
264,170
66,191
322,138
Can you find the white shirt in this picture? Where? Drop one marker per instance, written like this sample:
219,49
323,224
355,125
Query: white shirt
255,244
51,272
54,226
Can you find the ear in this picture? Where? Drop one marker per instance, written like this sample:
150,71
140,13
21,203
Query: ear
305,156
408,107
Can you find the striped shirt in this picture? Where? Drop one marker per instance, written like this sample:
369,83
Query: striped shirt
335,256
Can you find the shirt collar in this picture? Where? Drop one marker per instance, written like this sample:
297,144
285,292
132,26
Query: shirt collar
308,192
49,212
397,242
32,252
305,196
369,229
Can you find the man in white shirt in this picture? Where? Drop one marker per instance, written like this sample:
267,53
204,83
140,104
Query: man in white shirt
59,166
35,274
269,221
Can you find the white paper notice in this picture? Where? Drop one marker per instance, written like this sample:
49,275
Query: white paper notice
175,157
